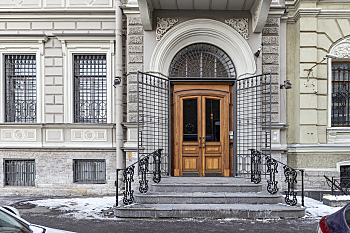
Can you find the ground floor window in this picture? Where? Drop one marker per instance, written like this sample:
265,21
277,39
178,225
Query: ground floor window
20,87
19,172
89,171
341,94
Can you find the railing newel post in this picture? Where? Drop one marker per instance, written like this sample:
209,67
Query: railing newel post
302,187
116,188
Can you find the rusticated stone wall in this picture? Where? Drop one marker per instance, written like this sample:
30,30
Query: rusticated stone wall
134,62
54,172
271,61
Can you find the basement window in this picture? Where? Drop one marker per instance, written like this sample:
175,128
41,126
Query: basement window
19,172
89,171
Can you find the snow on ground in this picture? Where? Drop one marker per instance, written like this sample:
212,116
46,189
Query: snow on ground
316,209
80,208
337,198
93,207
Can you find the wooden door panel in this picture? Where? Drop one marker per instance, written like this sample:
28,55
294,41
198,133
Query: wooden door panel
190,149
190,164
212,164
213,149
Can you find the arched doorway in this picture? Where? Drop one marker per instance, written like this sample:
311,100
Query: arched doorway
202,77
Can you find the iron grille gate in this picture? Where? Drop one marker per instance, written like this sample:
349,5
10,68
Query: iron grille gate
253,125
153,108
253,120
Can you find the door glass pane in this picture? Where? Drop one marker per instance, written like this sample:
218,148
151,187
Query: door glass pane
212,120
190,120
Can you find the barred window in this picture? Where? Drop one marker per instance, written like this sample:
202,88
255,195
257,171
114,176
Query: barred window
90,88
20,87
19,172
340,94
89,171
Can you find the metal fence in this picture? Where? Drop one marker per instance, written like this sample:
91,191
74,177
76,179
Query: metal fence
153,107
19,172
253,121
89,171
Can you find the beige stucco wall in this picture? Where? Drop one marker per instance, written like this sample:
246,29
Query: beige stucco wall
311,32
313,28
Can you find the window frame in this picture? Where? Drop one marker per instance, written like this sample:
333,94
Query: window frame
20,160
330,92
21,44
6,77
91,181
75,111
86,44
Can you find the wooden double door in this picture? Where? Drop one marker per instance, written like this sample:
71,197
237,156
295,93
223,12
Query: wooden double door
201,130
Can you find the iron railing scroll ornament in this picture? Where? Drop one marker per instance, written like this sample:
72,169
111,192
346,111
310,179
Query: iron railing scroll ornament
255,163
272,168
143,166
291,179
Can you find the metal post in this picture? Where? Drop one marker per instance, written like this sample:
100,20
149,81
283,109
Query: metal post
116,189
302,187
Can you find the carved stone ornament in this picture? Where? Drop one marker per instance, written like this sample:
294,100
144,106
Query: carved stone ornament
240,25
342,50
163,25
89,2
18,2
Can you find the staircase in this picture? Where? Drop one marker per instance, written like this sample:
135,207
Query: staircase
208,197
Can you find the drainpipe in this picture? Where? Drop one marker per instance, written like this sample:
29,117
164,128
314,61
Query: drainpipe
119,88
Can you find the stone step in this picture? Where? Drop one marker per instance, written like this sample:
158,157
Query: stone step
208,197
216,211
205,184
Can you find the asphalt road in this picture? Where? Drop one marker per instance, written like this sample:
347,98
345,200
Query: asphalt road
54,219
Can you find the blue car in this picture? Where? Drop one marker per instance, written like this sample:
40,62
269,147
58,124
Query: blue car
337,222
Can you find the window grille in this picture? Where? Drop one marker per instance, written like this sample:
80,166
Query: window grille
89,171
340,94
19,172
20,87
345,176
90,88
202,60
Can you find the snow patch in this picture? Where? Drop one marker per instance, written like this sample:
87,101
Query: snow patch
316,209
337,198
80,208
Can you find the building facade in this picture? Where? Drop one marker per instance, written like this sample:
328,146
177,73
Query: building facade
71,88
317,106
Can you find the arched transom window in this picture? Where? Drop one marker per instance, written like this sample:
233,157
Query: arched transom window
202,60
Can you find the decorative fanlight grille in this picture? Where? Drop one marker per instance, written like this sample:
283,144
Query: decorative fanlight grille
202,60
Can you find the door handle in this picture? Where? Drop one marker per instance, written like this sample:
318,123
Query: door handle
203,142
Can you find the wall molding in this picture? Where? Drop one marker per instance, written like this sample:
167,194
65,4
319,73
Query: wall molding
203,31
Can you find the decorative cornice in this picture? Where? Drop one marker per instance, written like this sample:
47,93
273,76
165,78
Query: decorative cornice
319,13
240,25
163,25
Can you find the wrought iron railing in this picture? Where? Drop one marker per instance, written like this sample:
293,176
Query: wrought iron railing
128,176
259,160
339,186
